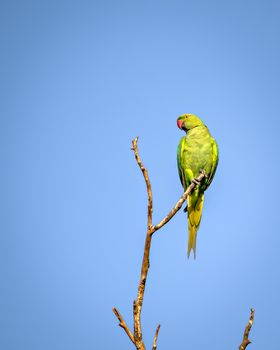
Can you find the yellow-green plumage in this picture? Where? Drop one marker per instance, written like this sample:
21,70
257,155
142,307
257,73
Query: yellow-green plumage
197,150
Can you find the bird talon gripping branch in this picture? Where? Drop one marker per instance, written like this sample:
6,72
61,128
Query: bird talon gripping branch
196,181
202,171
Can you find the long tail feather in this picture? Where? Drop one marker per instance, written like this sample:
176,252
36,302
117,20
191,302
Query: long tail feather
195,205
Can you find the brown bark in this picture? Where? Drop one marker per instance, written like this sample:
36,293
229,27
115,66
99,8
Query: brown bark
246,340
155,338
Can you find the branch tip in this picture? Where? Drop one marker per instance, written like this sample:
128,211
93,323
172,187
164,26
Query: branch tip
155,338
246,340
123,325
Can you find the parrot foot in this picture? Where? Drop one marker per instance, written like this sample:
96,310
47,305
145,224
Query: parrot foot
202,171
186,209
195,181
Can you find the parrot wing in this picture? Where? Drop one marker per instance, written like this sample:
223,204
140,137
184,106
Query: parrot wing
185,171
215,161
179,163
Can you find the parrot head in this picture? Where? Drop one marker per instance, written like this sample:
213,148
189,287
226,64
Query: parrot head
188,121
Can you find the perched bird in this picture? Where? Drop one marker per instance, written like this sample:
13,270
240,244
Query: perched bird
197,151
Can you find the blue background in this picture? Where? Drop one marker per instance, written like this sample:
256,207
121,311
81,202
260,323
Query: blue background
79,80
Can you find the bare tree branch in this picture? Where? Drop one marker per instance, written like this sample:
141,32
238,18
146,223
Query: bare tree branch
123,325
179,204
147,180
155,338
246,340
136,338
137,304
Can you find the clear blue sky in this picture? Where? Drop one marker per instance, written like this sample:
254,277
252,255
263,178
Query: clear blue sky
79,80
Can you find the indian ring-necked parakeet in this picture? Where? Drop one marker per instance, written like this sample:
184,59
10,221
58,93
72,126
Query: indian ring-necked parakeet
197,151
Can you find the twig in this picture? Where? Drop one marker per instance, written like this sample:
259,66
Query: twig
179,204
147,180
246,340
123,325
155,338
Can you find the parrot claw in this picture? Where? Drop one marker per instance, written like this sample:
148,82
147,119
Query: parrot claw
186,209
195,181
202,171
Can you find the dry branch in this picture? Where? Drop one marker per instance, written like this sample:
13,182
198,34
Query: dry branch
155,338
147,181
246,340
179,204
136,337
123,325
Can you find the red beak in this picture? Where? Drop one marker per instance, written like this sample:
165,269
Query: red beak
180,123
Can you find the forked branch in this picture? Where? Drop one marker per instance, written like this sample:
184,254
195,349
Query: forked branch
136,337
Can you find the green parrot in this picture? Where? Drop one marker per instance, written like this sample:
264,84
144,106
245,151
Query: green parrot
197,151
